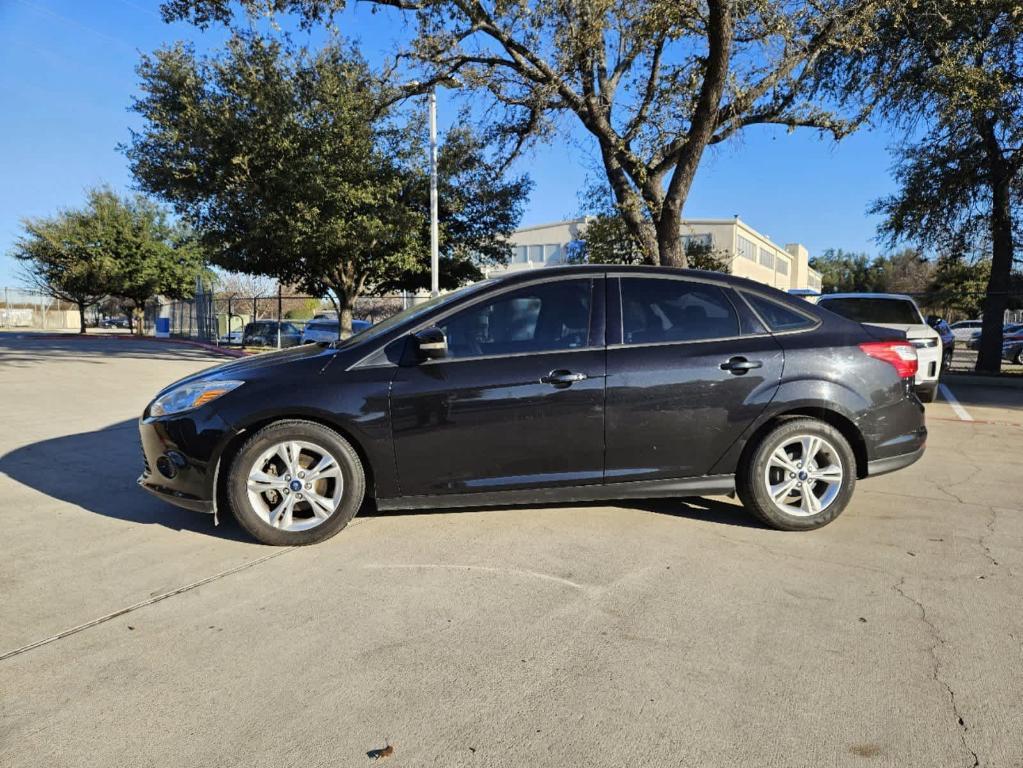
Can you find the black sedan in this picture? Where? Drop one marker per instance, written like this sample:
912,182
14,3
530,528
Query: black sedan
563,384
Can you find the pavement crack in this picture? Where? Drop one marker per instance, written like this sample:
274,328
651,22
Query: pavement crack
141,604
939,641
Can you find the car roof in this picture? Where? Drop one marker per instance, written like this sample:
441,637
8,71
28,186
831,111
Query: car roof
898,296
645,270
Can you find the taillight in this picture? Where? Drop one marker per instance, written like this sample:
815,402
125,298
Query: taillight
900,354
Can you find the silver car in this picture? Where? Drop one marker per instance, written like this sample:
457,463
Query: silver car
327,329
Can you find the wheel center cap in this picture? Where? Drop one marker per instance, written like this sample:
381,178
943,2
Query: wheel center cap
295,485
802,474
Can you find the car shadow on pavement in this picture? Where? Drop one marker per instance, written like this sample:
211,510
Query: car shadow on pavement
693,508
97,471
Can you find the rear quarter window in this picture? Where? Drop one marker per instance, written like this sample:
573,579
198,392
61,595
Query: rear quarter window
778,316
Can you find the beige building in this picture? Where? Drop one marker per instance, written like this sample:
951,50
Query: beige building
747,252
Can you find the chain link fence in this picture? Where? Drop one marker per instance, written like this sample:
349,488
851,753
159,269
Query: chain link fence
31,310
260,321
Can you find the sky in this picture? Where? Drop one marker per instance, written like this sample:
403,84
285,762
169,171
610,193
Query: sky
67,78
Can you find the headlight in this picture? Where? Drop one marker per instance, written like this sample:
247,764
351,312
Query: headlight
189,396
918,343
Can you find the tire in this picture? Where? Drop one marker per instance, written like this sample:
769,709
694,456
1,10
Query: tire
946,361
927,393
1019,357
760,467
258,495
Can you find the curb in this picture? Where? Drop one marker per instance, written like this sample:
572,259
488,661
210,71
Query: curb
980,380
128,337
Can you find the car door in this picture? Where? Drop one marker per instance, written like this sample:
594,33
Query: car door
689,367
519,400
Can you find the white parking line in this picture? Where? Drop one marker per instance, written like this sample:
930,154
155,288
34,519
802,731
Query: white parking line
951,399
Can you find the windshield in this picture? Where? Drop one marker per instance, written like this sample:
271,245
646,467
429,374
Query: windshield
866,310
411,314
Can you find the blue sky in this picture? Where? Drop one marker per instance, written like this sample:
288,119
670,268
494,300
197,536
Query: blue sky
67,76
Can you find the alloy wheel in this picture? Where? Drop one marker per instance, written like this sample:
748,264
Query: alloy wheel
295,485
804,475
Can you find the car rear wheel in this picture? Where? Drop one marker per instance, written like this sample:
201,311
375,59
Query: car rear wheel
295,482
799,476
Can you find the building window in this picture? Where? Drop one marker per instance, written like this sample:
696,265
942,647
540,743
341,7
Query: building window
783,266
766,258
746,247
536,254
696,241
519,254
813,282
552,254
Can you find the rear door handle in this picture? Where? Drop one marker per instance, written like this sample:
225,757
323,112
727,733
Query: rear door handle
562,378
739,365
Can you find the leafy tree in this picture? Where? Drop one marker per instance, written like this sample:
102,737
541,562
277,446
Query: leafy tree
478,210
149,254
951,72
847,272
292,165
653,82
67,257
957,287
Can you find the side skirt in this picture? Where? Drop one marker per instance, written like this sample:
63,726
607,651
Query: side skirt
709,485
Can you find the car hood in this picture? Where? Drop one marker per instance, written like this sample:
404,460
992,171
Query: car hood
254,365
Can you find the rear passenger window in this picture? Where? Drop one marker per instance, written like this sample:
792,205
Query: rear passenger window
777,315
662,310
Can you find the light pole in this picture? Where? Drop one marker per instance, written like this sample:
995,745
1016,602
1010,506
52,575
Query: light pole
448,82
434,223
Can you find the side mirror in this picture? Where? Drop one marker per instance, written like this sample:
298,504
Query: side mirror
431,343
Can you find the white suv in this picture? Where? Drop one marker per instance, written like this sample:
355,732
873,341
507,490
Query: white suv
892,310
964,329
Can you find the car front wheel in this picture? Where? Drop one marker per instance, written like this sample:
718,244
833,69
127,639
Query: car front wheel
799,476
295,482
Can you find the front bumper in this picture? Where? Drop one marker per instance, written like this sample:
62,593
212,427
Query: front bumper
180,455
177,498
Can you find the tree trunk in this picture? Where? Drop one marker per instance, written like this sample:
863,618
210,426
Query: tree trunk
669,239
989,359
81,316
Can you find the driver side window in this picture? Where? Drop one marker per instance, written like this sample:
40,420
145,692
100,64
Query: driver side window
539,318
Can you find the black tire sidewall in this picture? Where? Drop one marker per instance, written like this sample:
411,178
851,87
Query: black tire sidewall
351,472
756,497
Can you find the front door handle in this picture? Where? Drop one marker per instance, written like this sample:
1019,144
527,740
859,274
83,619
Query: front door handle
562,378
739,365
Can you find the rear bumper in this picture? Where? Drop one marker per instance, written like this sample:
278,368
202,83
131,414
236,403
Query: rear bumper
893,463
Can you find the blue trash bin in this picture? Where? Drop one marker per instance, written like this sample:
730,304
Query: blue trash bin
162,327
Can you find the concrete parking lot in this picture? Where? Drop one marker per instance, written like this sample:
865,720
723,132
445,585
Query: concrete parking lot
663,633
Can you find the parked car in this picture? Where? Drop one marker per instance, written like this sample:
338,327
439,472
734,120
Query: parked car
948,340
114,322
1012,350
263,333
898,312
964,329
329,329
1008,330
233,337
556,385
